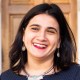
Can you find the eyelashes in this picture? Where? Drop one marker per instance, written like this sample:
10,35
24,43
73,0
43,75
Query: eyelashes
51,31
34,28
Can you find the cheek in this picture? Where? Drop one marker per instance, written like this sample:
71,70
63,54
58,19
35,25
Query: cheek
28,37
54,41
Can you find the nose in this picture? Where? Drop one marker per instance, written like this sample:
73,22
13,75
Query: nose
41,36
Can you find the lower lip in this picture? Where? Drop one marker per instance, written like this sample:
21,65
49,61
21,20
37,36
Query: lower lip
39,47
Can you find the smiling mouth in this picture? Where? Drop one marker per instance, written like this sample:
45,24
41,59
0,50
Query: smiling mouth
40,46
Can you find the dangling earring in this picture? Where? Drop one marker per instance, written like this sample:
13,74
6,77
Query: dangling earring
23,48
58,54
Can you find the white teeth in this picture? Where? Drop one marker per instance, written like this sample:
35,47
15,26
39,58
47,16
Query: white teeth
40,45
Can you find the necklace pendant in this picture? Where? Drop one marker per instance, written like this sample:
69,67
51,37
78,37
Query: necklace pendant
35,77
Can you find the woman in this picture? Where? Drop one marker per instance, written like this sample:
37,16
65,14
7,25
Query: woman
44,47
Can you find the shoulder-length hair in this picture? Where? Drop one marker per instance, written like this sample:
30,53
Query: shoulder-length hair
67,50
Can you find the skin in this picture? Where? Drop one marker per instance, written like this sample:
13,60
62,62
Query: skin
41,38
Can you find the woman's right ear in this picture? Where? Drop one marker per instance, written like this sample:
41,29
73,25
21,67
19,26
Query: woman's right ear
23,36
23,46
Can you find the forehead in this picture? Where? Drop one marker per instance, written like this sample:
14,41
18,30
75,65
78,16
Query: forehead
44,20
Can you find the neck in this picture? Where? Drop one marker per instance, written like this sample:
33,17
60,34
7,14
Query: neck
37,66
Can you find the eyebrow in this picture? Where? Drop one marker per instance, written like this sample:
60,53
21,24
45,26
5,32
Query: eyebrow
40,26
35,25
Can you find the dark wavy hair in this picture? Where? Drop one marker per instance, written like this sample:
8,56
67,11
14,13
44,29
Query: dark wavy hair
67,50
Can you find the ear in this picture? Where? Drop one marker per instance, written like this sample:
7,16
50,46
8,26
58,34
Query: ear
23,38
59,43
23,35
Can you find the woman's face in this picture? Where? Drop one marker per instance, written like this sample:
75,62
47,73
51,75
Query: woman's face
41,36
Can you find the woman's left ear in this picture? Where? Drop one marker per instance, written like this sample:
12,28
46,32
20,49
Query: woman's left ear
59,44
58,53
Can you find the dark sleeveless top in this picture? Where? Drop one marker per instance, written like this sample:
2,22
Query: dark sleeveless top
73,73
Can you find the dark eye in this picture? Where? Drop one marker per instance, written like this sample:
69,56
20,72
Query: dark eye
35,29
50,31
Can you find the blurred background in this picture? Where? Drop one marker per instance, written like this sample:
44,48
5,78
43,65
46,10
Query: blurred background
11,13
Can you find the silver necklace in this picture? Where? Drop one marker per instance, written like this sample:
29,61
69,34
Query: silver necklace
38,77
